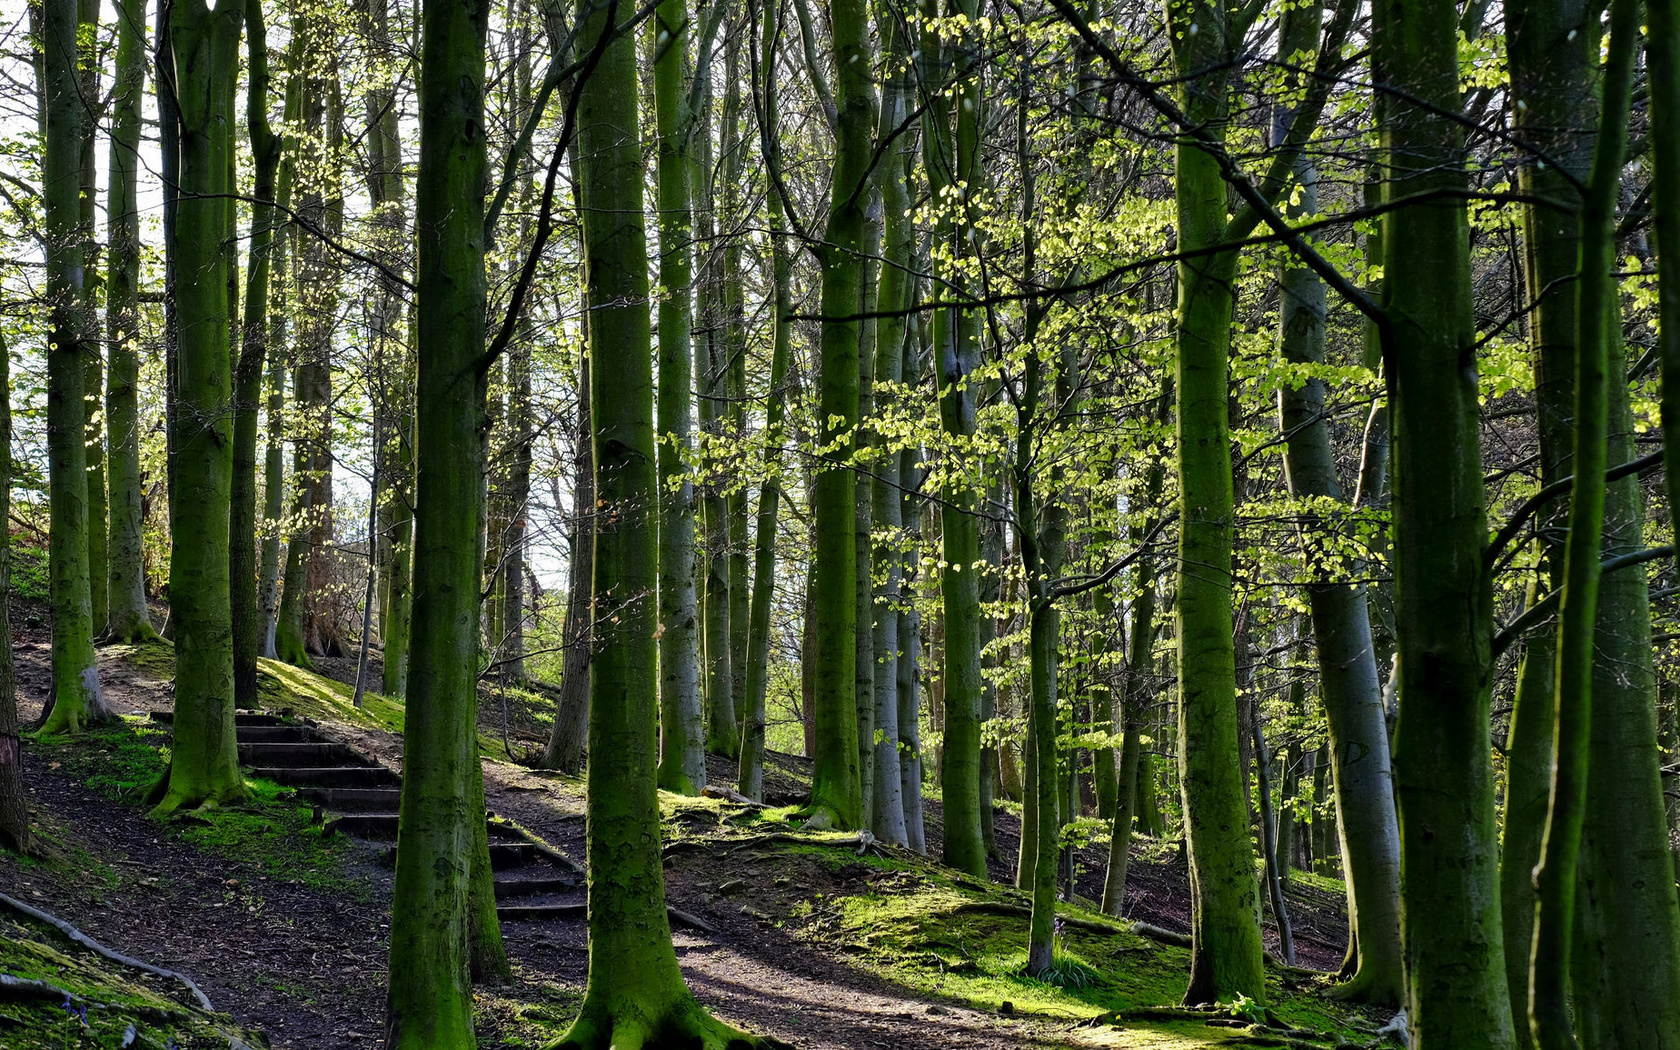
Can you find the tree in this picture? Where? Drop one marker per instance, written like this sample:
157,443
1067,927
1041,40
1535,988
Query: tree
636,995
15,832
1453,939
77,699
950,145
266,149
836,784
203,764
127,618
441,820
682,765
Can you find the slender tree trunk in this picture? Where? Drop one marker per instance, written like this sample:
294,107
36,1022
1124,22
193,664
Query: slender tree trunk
570,737
1351,690
203,764
127,618
76,700
1453,936
836,788
429,1003
98,536
636,995
887,816
1226,955
682,765
951,148
1275,861
266,148
750,774
15,832
1140,665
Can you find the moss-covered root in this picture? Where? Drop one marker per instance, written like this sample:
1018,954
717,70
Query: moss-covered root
623,1022
174,793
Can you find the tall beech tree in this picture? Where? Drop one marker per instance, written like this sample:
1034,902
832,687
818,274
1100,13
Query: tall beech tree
266,148
682,765
76,699
437,918
15,832
127,618
836,781
203,761
1451,930
950,145
636,995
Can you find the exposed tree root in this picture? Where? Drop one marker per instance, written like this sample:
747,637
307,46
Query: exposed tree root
626,1025
1140,929
99,949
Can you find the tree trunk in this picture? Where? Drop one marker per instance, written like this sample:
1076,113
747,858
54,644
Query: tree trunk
98,536
951,155
15,833
429,1003
127,618
1226,954
266,148
76,699
836,787
570,737
1443,779
636,992
682,766
203,764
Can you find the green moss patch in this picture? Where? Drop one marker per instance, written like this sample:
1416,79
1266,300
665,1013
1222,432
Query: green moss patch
124,758
104,1003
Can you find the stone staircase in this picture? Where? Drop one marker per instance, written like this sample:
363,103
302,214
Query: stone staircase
353,794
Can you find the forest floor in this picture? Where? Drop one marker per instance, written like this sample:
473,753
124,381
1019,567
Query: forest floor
285,928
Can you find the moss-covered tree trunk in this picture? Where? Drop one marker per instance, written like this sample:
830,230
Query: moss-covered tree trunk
750,771
1226,957
1450,922
950,144
837,788
15,832
442,817
76,698
636,995
266,148
682,765
93,379
203,763
127,618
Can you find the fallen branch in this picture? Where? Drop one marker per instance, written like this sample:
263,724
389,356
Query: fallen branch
94,946
729,795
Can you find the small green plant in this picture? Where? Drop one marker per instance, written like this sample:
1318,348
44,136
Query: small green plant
1245,1009
1065,970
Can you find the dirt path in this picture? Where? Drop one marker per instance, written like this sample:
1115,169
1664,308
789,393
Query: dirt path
306,966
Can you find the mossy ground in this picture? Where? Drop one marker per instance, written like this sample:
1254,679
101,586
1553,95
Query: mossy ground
108,1000
125,757
939,936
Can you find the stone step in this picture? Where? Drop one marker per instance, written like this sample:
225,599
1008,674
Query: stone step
539,912
328,776
505,855
378,827
298,756
240,718
507,888
353,800
266,734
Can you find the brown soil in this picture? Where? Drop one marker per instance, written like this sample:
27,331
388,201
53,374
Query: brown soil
307,967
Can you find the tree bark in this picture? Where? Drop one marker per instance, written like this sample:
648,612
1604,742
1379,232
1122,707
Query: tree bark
203,764
127,618
76,700
429,1002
